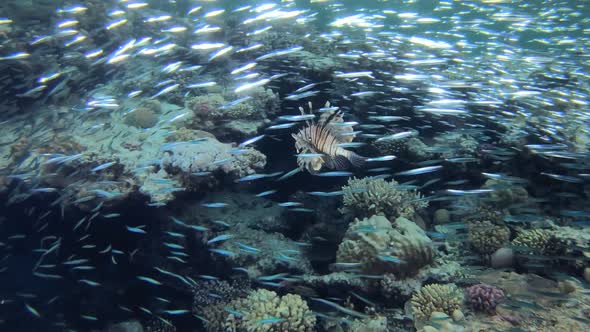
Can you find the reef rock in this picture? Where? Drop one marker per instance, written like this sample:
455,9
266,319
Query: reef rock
401,248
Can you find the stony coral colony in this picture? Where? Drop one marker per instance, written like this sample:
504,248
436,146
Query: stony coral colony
177,167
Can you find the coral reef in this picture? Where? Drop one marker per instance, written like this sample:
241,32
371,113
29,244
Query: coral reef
273,252
394,147
243,209
210,292
444,298
367,196
455,143
261,310
532,303
370,324
217,113
482,297
486,237
401,248
442,270
210,155
158,325
417,149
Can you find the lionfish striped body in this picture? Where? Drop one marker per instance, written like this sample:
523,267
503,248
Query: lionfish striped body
318,143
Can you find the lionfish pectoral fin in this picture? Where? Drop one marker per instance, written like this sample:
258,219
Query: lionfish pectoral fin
337,162
356,160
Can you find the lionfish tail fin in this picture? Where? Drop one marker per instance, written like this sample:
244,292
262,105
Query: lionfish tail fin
357,160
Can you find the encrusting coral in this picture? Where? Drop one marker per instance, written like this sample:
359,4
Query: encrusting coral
401,248
366,197
436,298
261,311
486,238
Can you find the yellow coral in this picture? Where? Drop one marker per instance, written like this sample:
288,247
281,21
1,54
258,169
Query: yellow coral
543,241
262,311
436,298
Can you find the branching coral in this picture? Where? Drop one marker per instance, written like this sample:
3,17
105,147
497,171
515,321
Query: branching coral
366,197
436,298
485,237
262,310
482,297
542,241
381,248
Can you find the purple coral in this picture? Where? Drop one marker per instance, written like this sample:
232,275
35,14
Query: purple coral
484,297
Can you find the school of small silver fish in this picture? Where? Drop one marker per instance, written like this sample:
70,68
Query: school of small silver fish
148,146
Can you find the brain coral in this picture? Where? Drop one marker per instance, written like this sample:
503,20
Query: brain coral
142,117
436,298
380,247
486,238
366,197
262,311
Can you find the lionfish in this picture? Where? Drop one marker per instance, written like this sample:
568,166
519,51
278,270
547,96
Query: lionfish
318,142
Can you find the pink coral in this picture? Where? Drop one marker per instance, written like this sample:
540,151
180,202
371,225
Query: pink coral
484,297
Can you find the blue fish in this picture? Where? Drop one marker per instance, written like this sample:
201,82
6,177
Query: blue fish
223,252
177,312
221,237
270,320
149,280
266,193
136,229
103,166
391,259
247,248
335,173
214,205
